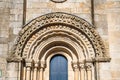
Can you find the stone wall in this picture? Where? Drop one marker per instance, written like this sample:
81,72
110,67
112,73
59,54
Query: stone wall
4,35
81,8
101,25
11,12
109,29
113,17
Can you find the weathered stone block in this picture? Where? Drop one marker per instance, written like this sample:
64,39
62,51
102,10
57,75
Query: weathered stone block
15,24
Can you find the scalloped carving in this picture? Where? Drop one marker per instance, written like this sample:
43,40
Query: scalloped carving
58,18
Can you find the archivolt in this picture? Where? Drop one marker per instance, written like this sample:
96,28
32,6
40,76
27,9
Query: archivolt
58,36
80,30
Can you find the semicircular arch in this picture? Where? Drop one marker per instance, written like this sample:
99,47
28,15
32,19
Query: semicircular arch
58,18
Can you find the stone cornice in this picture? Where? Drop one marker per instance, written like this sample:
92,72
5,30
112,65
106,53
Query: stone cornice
99,59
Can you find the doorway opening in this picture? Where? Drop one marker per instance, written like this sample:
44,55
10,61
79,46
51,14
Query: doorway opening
58,68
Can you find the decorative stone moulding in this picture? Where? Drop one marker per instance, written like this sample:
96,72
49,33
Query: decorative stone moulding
53,30
58,1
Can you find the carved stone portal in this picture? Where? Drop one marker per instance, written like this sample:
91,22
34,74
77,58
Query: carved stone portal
59,33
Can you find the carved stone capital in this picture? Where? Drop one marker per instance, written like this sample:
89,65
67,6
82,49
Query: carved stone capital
82,65
36,64
42,64
88,66
75,66
28,62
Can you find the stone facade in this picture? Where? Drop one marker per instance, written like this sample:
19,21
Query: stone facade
14,13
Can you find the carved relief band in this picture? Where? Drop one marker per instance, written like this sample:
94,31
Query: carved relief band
61,18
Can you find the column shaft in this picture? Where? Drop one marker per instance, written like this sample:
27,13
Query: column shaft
89,71
24,73
76,74
19,70
35,73
41,74
89,75
82,71
76,70
82,74
28,74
